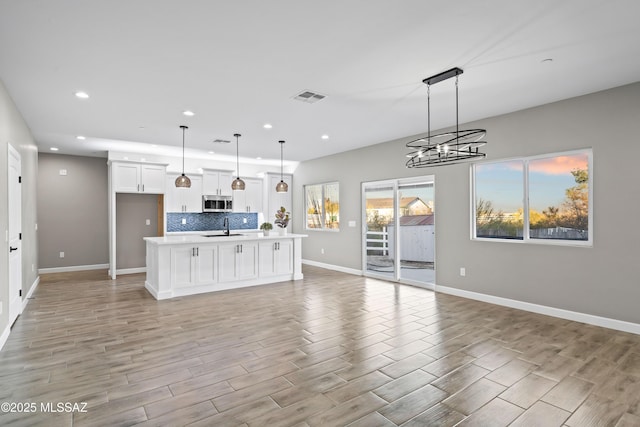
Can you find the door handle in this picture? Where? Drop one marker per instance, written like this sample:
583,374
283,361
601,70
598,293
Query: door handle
11,249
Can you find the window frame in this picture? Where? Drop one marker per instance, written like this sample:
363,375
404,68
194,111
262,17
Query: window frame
526,238
323,214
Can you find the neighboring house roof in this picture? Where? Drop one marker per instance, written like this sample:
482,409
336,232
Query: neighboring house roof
387,202
416,220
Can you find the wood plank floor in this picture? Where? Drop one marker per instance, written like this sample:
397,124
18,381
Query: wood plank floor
331,350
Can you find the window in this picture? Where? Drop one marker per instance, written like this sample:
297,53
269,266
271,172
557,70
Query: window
322,206
535,199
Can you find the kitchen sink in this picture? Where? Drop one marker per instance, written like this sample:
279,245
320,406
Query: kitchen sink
221,235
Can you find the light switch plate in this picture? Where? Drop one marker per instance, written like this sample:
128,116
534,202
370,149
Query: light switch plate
63,172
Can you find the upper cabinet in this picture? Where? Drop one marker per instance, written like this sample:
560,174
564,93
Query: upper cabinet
216,182
274,199
184,199
249,200
132,177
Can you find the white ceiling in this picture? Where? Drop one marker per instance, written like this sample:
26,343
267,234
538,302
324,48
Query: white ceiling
238,64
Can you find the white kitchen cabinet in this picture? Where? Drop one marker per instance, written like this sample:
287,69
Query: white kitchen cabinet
249,200
217,182
274,199
184,199
132,177
275,257
238,261
193,266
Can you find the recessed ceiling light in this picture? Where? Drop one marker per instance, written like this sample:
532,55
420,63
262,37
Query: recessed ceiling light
325,136
267,126
154,145
80,137
82,95
53,148
258,158
212,152
189,113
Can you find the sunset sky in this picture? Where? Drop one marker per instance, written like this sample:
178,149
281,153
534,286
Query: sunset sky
502,183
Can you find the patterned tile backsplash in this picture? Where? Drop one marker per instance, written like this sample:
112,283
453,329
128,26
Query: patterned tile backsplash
210,221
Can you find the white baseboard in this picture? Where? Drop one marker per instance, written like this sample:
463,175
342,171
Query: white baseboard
73,268
25,301
131,270
332,267
590,319
5,336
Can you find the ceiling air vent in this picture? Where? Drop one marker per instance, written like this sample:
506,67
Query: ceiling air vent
309,97
221,141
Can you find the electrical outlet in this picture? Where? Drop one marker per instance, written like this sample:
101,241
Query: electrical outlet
61,254
63,172
352,223
244,220
322,251
463,271
148,222
184,221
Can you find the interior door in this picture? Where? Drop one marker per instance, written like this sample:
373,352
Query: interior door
15,232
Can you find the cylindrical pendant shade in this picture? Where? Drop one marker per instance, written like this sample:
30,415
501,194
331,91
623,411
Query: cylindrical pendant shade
183,181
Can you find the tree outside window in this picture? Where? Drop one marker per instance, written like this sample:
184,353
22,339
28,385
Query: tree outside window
322,206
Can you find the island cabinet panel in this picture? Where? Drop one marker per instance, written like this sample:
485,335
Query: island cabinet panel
275,258
206,267
182,267
238,261
193,266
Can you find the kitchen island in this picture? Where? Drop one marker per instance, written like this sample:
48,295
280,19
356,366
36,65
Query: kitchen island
194,264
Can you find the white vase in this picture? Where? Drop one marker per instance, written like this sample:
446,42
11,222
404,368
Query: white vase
283,231
265,232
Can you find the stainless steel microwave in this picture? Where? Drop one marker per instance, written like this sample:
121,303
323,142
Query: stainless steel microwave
216,203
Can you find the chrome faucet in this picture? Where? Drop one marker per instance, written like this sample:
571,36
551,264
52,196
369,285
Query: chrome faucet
225,224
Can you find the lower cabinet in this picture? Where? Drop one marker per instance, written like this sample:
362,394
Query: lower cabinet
275,258
180,265
194,266
238,261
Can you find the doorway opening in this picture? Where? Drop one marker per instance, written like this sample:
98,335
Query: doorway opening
398,237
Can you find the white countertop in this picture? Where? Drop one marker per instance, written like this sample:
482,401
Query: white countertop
218,237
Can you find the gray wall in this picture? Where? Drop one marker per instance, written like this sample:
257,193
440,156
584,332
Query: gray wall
72,211
601,280
132,211
15,131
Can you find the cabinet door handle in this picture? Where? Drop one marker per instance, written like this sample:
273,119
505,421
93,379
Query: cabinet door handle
11,249
143,188
197,251
240,248
193,251
138,187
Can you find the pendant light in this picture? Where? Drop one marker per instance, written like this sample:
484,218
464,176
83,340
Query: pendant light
282,186
447,147
183,181
237,183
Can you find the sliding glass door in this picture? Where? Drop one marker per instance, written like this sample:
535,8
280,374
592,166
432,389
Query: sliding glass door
399,232
379,212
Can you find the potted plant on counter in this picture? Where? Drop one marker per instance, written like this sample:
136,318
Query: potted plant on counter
282,219
265,227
